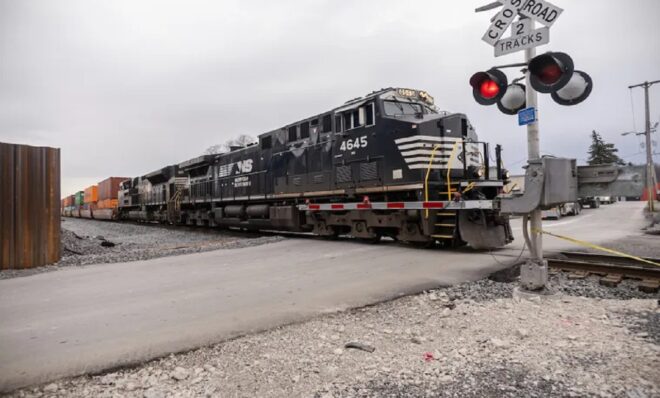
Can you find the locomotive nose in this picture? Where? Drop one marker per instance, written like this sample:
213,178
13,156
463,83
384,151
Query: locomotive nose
455,125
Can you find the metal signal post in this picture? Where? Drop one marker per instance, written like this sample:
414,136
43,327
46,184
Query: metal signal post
535,272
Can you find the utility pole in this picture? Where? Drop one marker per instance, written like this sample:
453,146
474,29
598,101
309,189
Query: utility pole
650,169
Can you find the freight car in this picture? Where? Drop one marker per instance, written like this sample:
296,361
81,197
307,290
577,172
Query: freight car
386,164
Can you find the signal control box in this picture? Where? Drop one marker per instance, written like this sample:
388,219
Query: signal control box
561,181
549,181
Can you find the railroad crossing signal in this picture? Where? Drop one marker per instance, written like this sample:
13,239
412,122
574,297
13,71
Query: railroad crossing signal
554,73
550,73
488,87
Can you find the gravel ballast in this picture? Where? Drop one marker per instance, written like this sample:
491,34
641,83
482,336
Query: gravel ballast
87,242
469,340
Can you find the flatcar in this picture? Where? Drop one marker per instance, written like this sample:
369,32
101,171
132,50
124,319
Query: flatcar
385,164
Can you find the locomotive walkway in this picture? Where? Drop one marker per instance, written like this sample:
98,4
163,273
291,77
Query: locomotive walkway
94,318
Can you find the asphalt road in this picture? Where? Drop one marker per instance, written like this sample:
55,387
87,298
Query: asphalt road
82,320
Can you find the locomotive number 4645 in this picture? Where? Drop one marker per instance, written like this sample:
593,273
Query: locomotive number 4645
357,142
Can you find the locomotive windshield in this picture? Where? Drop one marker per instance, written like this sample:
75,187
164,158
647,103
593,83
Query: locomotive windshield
399,108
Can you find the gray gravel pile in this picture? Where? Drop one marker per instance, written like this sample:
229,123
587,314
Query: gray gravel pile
87,242
591,287
438,344
486,289
645,324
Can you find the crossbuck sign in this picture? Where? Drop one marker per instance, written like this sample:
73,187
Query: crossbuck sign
522,36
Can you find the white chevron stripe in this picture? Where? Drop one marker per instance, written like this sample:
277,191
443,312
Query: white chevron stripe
427,159
417,150
427,138
425,145
426,166
438,153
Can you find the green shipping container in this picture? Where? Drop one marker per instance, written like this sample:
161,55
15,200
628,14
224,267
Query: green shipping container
80,198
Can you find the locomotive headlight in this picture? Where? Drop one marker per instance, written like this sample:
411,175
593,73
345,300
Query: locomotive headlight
475,171
506,174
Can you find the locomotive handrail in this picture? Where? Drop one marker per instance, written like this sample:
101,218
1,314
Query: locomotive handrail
426,178
451,157
428,173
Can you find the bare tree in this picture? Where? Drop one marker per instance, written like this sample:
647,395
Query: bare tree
242,140
215,149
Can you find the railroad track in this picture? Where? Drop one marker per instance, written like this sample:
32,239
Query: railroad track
611,269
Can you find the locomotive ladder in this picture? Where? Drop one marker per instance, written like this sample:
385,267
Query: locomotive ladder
443,222
444,225
174,207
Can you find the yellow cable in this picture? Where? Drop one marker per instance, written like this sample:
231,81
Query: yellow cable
469,186
593,246
512,188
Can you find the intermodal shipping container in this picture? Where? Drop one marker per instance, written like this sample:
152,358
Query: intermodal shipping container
68,201
79,198
107,204
91,195
109,187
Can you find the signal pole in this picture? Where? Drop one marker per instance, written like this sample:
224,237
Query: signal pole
551,73
534,273
650,169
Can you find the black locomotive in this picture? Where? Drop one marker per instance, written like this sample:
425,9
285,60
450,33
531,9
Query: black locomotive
386,164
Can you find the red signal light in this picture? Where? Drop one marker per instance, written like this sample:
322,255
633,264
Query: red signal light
550,74
489,89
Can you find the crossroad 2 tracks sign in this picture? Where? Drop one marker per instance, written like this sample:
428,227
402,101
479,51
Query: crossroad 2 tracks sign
522,36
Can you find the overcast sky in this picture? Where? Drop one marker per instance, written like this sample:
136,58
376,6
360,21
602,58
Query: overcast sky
125,87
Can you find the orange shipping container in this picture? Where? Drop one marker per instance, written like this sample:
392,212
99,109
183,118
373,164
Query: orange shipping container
107,204
109,187
91,194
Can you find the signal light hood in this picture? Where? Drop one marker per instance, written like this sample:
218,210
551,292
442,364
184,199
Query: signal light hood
575,91
550,72
513,100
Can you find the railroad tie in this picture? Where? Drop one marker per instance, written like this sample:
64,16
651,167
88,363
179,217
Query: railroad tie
578,275
611,280
649,285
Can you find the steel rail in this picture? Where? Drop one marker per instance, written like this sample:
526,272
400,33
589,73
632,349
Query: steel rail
603,268
609,259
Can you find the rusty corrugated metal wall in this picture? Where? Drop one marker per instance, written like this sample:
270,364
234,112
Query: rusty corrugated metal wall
29,206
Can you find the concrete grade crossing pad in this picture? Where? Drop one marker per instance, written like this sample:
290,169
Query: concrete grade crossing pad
89,319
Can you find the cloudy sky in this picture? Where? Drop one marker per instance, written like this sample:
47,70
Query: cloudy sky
127,86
